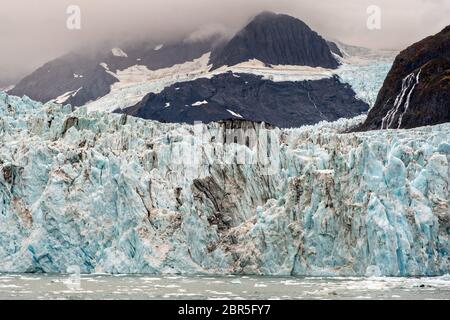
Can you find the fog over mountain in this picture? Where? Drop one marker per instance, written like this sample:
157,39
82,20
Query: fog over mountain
36,33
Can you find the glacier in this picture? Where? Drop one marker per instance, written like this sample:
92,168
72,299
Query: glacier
111,193
363,71
365,78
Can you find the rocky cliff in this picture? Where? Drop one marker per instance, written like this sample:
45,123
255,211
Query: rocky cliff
416,91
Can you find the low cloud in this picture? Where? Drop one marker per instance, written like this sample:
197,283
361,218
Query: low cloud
208,31
33,32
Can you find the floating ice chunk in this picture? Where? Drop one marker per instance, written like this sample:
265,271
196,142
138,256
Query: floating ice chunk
159,47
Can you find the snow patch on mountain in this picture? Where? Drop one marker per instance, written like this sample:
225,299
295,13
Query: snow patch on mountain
137,81
105,66
234,114
199,103
117,52
7,88
64,97
278,73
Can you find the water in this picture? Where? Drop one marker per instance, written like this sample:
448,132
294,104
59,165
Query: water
26,286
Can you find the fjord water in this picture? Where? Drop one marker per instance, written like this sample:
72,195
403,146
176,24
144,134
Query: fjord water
139,287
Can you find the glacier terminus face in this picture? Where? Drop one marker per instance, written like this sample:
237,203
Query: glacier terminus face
111,193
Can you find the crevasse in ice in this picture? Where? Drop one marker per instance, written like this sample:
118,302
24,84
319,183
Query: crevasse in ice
117,194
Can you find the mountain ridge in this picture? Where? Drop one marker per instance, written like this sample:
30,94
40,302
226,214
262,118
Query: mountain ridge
276,39
92,72
245,96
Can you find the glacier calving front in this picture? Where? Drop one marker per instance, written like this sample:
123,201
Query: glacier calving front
108,193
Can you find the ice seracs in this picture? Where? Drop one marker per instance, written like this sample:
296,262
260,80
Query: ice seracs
116,194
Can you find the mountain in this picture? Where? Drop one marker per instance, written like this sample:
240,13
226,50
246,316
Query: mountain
80,77
118,194
276,70
276,39
416,91
246,96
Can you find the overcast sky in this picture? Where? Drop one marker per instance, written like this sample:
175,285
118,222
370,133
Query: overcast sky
33,32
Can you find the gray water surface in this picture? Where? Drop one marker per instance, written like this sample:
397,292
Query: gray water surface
26,286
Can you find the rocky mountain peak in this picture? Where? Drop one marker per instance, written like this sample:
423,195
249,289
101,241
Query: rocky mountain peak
416,91
276,39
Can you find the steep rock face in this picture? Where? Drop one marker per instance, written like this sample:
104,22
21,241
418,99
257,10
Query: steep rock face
113,193
416,91
284,104
88,76
335,49
276,39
